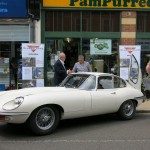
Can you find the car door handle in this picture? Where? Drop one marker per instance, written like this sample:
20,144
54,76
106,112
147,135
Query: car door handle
113,93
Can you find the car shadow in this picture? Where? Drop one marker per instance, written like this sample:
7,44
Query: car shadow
86,123
21,130
13,130
93,123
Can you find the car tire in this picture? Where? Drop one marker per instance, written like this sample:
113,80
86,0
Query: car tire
127,110
44,120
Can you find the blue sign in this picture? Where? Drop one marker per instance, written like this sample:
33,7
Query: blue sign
13,8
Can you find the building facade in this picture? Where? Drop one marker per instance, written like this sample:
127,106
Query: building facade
74,27
18,24
71,26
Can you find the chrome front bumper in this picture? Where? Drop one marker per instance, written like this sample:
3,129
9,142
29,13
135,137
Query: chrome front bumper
13,117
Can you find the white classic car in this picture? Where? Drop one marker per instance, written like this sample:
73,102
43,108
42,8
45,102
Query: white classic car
79,95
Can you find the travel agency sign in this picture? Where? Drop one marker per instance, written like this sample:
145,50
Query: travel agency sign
127,4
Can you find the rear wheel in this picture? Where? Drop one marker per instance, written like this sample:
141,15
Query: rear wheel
127,110
44,120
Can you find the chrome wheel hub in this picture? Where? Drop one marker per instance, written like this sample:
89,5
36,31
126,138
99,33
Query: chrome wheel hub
45,118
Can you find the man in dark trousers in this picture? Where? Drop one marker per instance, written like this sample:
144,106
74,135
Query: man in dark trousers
60,71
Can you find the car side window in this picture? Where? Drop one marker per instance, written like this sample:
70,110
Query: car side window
119,83
105,82
89,84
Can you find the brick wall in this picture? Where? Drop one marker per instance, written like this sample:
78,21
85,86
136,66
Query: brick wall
128,28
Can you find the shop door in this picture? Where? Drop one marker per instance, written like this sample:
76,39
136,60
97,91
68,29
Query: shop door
71,50
69,46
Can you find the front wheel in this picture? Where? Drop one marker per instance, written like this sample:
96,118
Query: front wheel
44,120
127,110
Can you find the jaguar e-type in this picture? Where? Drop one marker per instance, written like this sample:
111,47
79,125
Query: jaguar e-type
79,95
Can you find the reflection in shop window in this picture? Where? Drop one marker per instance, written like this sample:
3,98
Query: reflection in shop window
58,21
86,21
66,21
62,21
92,21
75,21
95,18
143,21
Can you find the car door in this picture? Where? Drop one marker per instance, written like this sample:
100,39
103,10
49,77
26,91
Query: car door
135,75
105,99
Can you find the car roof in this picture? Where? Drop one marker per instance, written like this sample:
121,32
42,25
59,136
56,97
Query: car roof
93,73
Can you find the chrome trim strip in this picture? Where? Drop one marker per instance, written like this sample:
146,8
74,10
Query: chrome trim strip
13,113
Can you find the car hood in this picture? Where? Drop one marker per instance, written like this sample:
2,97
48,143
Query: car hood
12,94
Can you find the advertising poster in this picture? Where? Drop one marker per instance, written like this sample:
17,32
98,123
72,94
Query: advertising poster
100,46
4,73
127,52
32,65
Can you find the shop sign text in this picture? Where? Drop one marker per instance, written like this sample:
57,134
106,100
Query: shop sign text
98,3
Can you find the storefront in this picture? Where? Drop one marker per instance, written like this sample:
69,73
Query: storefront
72,30
71,25
74,27
15,28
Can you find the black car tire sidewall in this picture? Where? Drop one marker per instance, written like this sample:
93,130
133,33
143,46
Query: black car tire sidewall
33,126
122,114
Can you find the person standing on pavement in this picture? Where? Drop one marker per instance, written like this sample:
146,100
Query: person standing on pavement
148,68
60,71
146,81
81,65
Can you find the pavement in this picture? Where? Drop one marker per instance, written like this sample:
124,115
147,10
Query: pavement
144,107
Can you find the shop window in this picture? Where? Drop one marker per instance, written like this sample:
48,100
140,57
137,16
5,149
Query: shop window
76,21
62,21
86,21
49,21
95,23
66,21
92,21
105,25
105,61
143,21
148,22
58,21
105,21
140,22
115,22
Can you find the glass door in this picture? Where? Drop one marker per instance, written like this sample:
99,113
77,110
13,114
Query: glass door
70,46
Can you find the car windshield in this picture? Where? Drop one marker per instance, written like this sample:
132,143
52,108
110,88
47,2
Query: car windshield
81,81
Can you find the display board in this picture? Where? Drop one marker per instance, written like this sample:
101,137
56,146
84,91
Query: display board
100,46
32,65
126,53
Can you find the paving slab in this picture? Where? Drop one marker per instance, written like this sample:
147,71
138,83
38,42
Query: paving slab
144,107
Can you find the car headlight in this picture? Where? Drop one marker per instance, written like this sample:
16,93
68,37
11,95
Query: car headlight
13,104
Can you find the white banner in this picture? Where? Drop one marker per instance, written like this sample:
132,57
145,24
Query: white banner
125,52
32,65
